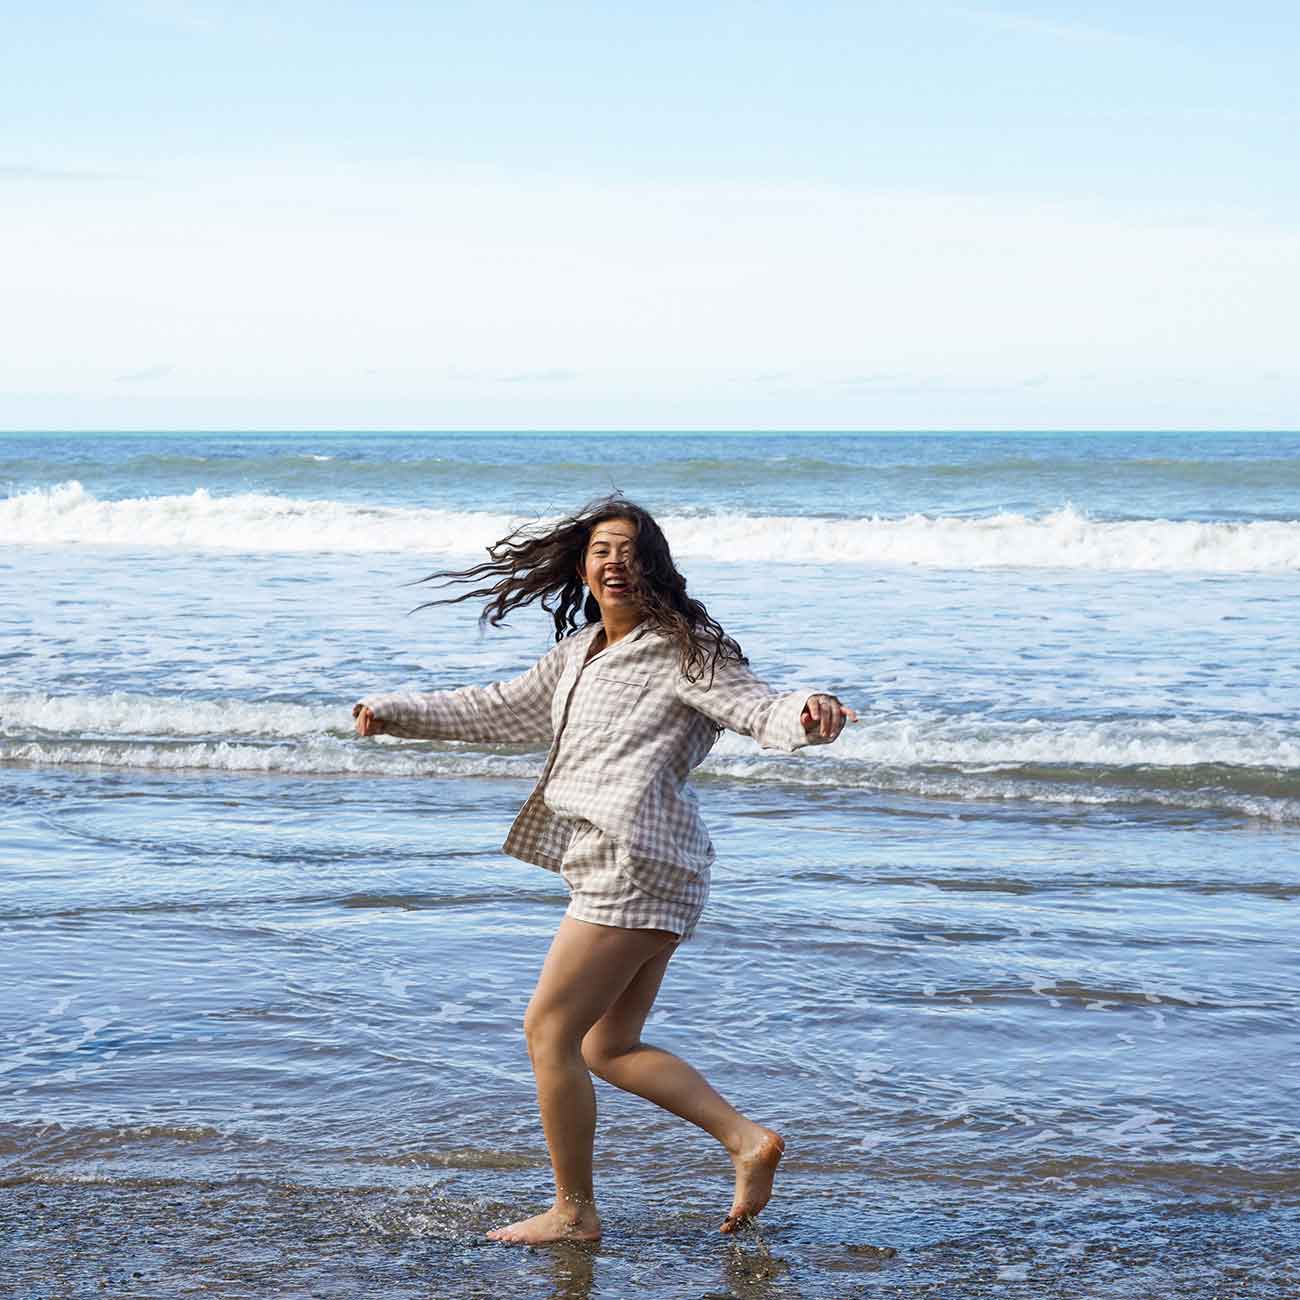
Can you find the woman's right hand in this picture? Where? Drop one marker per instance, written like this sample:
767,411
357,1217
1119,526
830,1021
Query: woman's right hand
367,723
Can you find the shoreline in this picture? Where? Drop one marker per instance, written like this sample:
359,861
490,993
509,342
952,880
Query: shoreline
260,1237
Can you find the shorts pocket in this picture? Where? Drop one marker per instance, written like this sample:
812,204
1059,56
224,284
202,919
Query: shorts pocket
670,881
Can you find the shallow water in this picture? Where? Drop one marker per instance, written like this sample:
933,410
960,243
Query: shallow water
1011,966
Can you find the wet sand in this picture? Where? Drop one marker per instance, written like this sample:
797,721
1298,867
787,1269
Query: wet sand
160,1239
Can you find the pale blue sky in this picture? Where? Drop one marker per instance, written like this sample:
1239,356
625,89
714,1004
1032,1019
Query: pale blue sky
708,215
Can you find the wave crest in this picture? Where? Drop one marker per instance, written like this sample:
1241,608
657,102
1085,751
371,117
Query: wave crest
67,514
1240,766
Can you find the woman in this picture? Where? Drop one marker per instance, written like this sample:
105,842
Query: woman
629,703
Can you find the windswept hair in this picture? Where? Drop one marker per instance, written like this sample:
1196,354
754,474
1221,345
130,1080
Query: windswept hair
539,563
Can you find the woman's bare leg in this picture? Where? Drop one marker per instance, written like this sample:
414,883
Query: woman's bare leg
586,969
614,1050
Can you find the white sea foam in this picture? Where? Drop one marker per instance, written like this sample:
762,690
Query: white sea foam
328,756
927,738
932,739
250,521
1062,761
323,756
1005,786
69,515
122,714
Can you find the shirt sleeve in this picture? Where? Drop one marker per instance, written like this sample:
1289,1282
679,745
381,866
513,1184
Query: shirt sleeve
510,712
740,701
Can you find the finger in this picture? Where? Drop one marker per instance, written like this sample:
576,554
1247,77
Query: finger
842,712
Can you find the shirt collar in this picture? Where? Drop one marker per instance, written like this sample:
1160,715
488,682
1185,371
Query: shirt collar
593,630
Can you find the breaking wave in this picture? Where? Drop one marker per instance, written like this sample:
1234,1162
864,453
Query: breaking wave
1242,767
1066,538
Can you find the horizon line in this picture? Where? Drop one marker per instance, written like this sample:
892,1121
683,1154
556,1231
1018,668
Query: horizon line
507,431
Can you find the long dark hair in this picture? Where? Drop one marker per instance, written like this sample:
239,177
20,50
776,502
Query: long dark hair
540,563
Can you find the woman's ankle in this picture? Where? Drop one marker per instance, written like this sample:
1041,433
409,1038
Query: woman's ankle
744,1136
575,1208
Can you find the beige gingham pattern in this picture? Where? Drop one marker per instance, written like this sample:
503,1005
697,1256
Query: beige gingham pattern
601,891
625,728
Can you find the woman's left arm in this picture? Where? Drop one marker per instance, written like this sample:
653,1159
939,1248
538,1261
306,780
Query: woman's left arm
737,699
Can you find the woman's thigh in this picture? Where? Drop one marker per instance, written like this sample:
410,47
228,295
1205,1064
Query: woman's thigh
586,971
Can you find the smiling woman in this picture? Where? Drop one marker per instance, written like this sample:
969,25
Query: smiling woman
606,566
630,703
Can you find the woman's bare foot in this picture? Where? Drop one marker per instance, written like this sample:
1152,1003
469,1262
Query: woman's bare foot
756,1164
556,1224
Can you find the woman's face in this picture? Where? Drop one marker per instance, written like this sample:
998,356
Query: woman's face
607,565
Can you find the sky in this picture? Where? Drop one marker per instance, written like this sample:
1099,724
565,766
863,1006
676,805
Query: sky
671,216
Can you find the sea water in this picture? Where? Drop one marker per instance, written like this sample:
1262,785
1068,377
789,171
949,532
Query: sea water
1011,965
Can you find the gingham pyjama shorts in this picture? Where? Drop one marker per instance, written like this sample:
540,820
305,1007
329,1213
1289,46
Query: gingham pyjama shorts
601,890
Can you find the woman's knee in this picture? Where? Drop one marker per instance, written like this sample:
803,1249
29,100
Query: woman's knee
535,1026
593,1054
600,1051
548,1035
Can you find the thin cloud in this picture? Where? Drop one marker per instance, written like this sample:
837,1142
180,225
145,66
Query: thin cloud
146,376
539,377
555,375
25,173
872,381
904,384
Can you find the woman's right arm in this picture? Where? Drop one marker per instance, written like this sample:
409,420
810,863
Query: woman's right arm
509,712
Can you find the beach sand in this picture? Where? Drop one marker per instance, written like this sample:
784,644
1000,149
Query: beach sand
258,1239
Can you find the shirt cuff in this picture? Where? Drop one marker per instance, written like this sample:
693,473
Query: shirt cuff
393,711
789,728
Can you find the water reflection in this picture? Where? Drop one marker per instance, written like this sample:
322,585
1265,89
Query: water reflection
573,1270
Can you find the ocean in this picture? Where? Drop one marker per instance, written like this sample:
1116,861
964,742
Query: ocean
1012,965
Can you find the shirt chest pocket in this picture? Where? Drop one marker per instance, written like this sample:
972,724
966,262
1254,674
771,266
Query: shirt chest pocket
609,698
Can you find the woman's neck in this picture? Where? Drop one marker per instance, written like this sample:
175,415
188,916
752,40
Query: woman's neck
617,626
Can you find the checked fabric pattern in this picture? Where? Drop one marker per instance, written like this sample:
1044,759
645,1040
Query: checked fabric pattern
625,728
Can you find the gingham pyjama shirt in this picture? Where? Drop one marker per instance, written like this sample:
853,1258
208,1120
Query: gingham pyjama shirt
625,729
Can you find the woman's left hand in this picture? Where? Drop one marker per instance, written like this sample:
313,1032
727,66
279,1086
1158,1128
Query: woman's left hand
826,715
